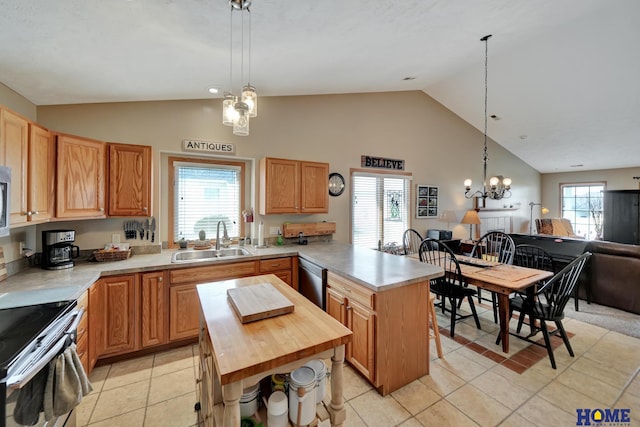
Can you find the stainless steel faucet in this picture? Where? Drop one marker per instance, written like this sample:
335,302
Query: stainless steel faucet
225,238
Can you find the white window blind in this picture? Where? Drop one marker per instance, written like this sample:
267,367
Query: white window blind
379,208
203,195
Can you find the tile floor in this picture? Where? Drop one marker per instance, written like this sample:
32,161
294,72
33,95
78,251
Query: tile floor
464,388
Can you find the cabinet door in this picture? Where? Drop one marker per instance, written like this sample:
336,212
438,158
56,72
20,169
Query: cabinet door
154,312
129,180
620,218
314,188
360,352
80,172
120,312
184,306
97,319
42,167
279,186
14,137
336,307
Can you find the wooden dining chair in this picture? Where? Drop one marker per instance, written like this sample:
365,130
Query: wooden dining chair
450,286
548,303
411,241
495,246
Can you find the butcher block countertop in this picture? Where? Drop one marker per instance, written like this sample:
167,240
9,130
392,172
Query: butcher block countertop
244,350
373,269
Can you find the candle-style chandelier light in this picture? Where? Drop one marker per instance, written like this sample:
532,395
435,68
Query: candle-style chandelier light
498,187
236,110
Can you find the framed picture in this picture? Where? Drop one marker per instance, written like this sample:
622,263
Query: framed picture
426,201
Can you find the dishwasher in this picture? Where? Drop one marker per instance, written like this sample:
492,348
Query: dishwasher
312,282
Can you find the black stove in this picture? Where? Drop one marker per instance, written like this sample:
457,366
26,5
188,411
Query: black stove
19,326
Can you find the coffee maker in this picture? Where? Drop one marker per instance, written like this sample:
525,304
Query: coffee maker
58,250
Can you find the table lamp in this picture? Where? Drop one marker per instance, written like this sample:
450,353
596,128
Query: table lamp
470,217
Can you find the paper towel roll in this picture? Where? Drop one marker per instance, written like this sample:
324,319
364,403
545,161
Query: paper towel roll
260,235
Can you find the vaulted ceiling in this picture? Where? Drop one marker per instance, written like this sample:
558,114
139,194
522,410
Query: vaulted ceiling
562,74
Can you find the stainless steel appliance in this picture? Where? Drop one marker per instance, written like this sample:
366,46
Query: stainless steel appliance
58,250
312,282
30,338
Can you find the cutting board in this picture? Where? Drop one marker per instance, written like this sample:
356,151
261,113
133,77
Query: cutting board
256,302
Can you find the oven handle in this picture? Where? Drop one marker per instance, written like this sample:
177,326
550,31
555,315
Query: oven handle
20,379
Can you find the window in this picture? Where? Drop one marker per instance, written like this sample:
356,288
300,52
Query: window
203,193
379,208
582,206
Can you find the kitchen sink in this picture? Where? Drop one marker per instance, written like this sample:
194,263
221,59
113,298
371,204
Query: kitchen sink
207,254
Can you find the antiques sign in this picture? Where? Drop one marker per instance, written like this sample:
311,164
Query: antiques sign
207,146
381,162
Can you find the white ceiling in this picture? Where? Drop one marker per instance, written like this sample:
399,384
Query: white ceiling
563,73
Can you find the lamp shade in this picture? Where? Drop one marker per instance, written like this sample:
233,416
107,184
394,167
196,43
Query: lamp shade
448,216
470,217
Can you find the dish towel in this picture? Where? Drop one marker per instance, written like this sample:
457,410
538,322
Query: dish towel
30,397
66,384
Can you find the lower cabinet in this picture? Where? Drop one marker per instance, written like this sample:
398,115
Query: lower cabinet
390,343
96,323
205,382
82,332
285,268
154,309
120,314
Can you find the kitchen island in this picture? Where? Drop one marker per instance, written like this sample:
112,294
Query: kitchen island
243,354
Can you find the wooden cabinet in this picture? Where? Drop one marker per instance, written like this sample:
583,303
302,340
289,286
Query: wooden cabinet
42,170
183,298
120,313
285,268
82,332
14,139
129,180
154,302
621,216
80,177
205,387
97,318
390,345
293,186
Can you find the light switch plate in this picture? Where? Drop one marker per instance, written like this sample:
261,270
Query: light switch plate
273,231
115,238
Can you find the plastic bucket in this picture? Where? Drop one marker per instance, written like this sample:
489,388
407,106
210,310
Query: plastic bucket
302,381
320,369
249,401
277,410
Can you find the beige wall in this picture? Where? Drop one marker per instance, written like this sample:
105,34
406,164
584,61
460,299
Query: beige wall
615,179
439,148
17,102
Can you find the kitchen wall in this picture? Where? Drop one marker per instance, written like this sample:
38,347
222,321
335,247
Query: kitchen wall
615,179
438,147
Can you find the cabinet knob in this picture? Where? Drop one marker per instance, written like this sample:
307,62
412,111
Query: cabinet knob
159,279
101,209
145,209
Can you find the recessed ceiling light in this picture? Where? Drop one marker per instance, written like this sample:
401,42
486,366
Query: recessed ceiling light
494,117
408,78
577,166
523,137
214,90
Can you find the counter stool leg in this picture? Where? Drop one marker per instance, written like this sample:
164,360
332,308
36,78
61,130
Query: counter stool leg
337,411
433,321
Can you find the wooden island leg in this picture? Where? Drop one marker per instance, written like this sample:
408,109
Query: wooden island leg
231,394
337,411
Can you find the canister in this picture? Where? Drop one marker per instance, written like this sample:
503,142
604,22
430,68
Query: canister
320,369
249,400
277,410
302,396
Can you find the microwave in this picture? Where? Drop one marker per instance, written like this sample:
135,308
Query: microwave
5,200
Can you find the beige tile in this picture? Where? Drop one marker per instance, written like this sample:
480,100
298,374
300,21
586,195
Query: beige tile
353,419
589,386
85,408
529,380
172,360
129,419
540,412
476,357
379,411
634,386
462,366
621,348
354,385
176,412
607,372
411,422
415,397
567,398
441,380
502,389
129,371
478,406
171,385
120,400
98,376
515,420
444,414
631,402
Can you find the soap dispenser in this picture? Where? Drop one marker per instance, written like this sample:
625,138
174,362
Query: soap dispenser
279,239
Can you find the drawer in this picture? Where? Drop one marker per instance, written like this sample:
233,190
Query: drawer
82,326
351,290
213,272
275,264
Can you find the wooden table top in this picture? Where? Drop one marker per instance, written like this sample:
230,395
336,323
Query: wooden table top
244,350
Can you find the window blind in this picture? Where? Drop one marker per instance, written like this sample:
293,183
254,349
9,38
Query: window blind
379,208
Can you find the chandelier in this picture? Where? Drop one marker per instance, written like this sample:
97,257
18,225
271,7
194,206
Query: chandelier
498,187
236,111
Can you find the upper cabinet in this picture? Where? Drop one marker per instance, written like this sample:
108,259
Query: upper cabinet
42,170
129,180
293,186
80,173
14,140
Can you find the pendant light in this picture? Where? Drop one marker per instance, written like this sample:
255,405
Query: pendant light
499,187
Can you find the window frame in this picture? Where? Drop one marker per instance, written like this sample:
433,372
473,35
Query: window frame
590,223
171,195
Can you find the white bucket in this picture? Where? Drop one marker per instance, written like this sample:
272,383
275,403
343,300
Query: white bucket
303,378
277,410
249,401
320,369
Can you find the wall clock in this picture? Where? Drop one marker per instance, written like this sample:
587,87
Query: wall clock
336,184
